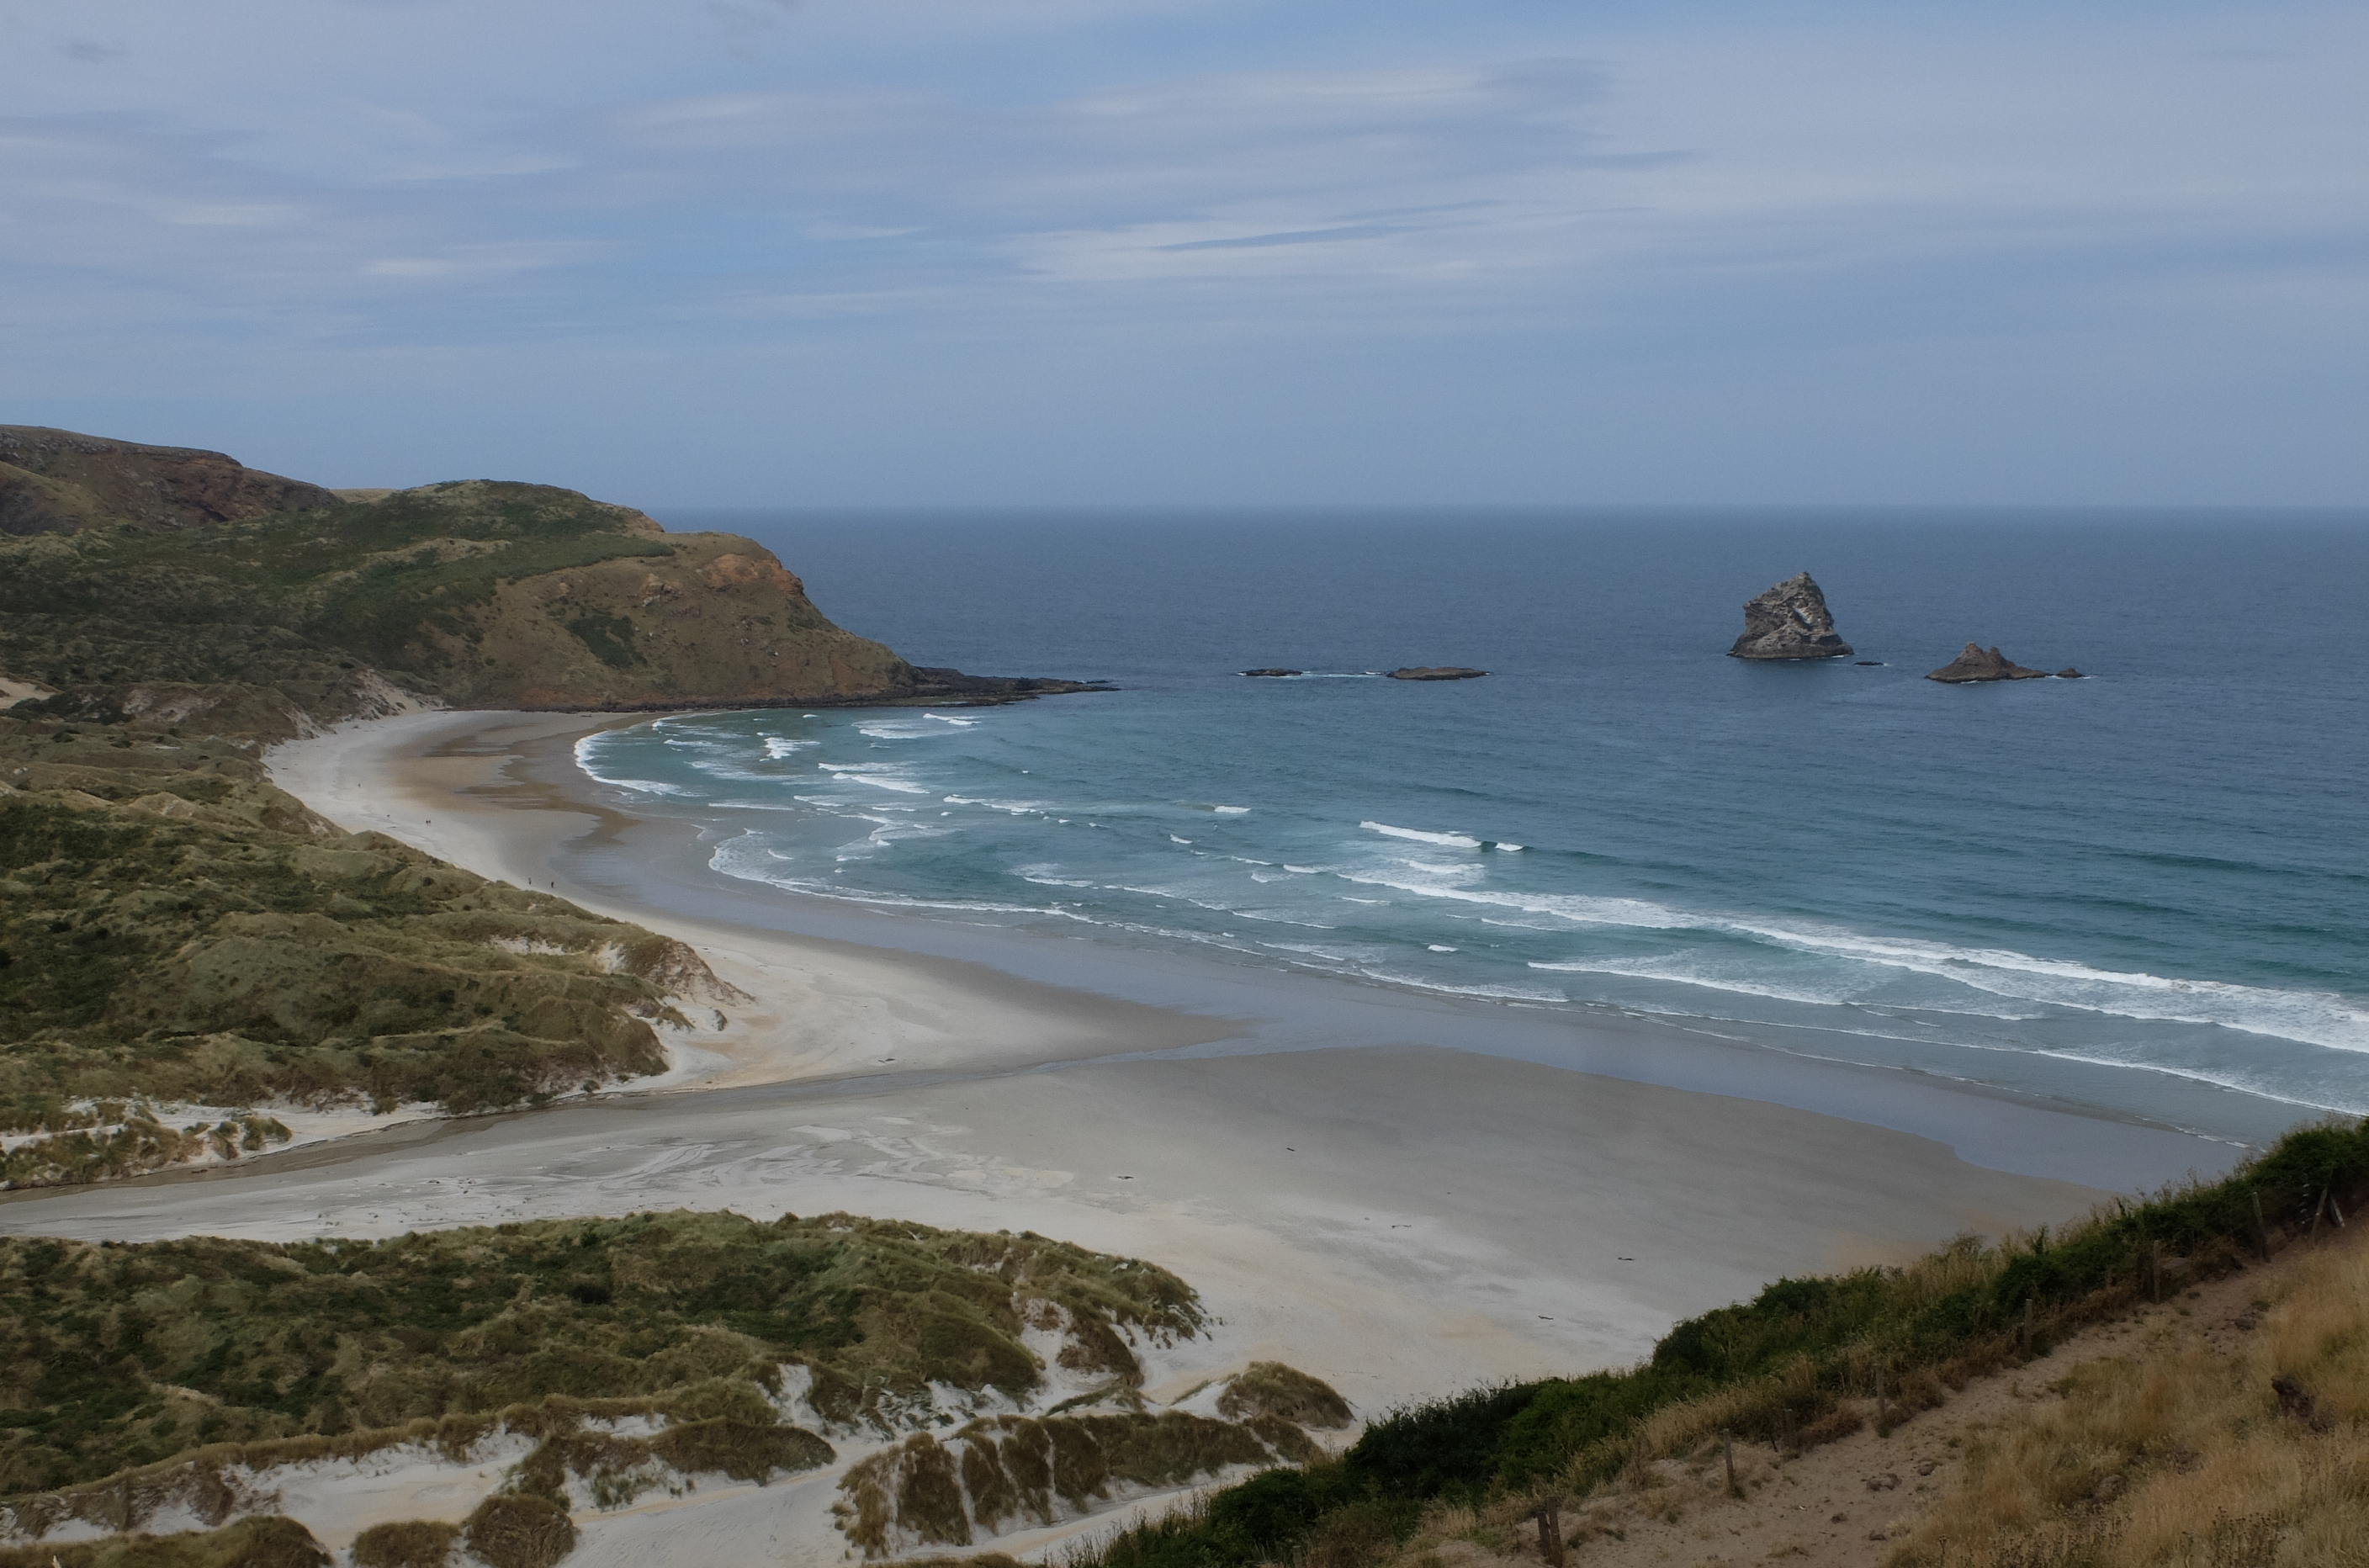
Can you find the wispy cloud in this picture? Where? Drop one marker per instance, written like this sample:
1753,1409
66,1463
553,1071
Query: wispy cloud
746,177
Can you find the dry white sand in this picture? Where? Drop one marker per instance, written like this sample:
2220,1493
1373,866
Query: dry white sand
1401,1220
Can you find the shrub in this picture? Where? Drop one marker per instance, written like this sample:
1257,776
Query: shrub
413,1543
1270,1388
510,1530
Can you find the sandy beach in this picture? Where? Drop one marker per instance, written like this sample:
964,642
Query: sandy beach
1360,1187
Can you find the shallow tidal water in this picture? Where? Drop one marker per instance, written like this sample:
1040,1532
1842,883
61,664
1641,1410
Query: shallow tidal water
2161,870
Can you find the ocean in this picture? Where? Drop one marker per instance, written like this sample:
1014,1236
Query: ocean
2159,872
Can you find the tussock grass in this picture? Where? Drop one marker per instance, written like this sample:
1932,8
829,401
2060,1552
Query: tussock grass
517,1530
2180,1453
264,1541
1012,1473
410,1543
173,929
131,1358
1270,1388
1817,1357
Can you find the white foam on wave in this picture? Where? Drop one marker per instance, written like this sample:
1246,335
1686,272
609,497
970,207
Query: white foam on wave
908,729
1452,840
1044,876
1016,808
1681,973
587,753
780,746
2317,1018
945,718
1492,993
886,781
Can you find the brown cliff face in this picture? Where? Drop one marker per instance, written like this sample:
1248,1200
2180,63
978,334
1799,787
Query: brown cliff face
60,482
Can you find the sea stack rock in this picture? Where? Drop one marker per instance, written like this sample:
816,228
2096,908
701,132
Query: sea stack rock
1977,664
1437,673
1790,620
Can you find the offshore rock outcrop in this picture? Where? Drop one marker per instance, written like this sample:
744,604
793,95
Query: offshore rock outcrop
1790,620
1437,673
1977,663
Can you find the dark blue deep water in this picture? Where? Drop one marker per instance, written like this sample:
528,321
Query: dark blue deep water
2163,867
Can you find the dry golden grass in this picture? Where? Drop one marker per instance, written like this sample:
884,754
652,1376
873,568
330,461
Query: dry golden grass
2180,1454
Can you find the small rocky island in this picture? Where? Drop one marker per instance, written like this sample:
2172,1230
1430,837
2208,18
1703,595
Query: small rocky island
1790,620
1977,663
1437,673
1274,673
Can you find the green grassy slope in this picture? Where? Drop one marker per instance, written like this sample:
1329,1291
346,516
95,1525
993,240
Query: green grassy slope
1805,1356
471,594
175,930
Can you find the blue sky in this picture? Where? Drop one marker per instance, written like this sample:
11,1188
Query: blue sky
998,252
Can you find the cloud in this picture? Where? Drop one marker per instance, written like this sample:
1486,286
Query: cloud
1131,176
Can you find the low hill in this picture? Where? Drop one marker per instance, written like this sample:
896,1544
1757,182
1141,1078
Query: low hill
60,482
469,594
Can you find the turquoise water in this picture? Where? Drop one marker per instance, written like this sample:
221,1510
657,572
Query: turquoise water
2163,868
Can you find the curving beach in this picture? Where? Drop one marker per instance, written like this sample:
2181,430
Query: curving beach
1374,1187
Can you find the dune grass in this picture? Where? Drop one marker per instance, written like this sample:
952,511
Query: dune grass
2185,1454
263,1541
114,1357
174,930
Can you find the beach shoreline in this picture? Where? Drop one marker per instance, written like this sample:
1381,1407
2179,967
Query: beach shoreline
1355,1188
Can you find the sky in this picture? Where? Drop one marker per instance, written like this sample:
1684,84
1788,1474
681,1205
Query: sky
854,253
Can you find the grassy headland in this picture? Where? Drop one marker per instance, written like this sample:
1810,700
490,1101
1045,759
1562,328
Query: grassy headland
470,594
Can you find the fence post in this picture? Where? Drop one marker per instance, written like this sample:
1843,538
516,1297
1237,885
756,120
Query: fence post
2261,1232
1550,1518
1727,1446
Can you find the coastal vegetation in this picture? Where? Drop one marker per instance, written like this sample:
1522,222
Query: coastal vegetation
176,932
630,1353
470,593
1814,1359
